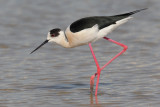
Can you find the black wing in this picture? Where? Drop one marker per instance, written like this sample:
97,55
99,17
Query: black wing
102,21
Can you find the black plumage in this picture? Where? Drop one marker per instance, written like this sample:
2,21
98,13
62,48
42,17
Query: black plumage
102,21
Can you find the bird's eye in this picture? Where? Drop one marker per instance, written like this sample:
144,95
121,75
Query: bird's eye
52,35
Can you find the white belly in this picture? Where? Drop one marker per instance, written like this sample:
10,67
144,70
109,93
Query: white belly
105,31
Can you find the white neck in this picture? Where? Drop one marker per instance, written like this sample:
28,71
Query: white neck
64,40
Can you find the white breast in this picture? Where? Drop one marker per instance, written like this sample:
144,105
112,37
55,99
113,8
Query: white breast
83,37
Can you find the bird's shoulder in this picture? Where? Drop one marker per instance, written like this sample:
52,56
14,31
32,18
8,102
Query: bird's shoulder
89,22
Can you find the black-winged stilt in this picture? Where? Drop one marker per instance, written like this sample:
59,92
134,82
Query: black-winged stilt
88,30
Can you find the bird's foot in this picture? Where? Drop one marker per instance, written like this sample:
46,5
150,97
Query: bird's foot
92,83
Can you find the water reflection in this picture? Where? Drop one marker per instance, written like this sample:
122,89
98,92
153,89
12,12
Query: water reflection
92,100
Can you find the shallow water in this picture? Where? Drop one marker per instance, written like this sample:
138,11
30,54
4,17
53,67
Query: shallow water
55,76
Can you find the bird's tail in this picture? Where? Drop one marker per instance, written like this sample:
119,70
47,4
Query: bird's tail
131,13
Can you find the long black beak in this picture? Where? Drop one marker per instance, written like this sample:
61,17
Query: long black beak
46,41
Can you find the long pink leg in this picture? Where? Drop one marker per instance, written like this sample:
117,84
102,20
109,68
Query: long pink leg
97,64
98,70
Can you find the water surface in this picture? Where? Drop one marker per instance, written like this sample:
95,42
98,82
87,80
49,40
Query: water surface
55,76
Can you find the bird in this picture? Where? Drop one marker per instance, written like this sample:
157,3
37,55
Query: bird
86,31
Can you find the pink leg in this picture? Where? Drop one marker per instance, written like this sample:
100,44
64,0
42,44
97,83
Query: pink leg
98,67
98,70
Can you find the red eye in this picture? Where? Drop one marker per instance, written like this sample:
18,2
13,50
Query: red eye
52,35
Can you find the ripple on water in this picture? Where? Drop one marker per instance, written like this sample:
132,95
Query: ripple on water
4,46
9,90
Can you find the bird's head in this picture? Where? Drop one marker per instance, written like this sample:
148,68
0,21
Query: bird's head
54,35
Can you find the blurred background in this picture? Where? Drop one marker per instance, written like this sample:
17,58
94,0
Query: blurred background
55,76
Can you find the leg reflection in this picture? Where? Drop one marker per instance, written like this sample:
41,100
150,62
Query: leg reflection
92,100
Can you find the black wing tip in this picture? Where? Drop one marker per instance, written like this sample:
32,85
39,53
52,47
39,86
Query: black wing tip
136,11
131,13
